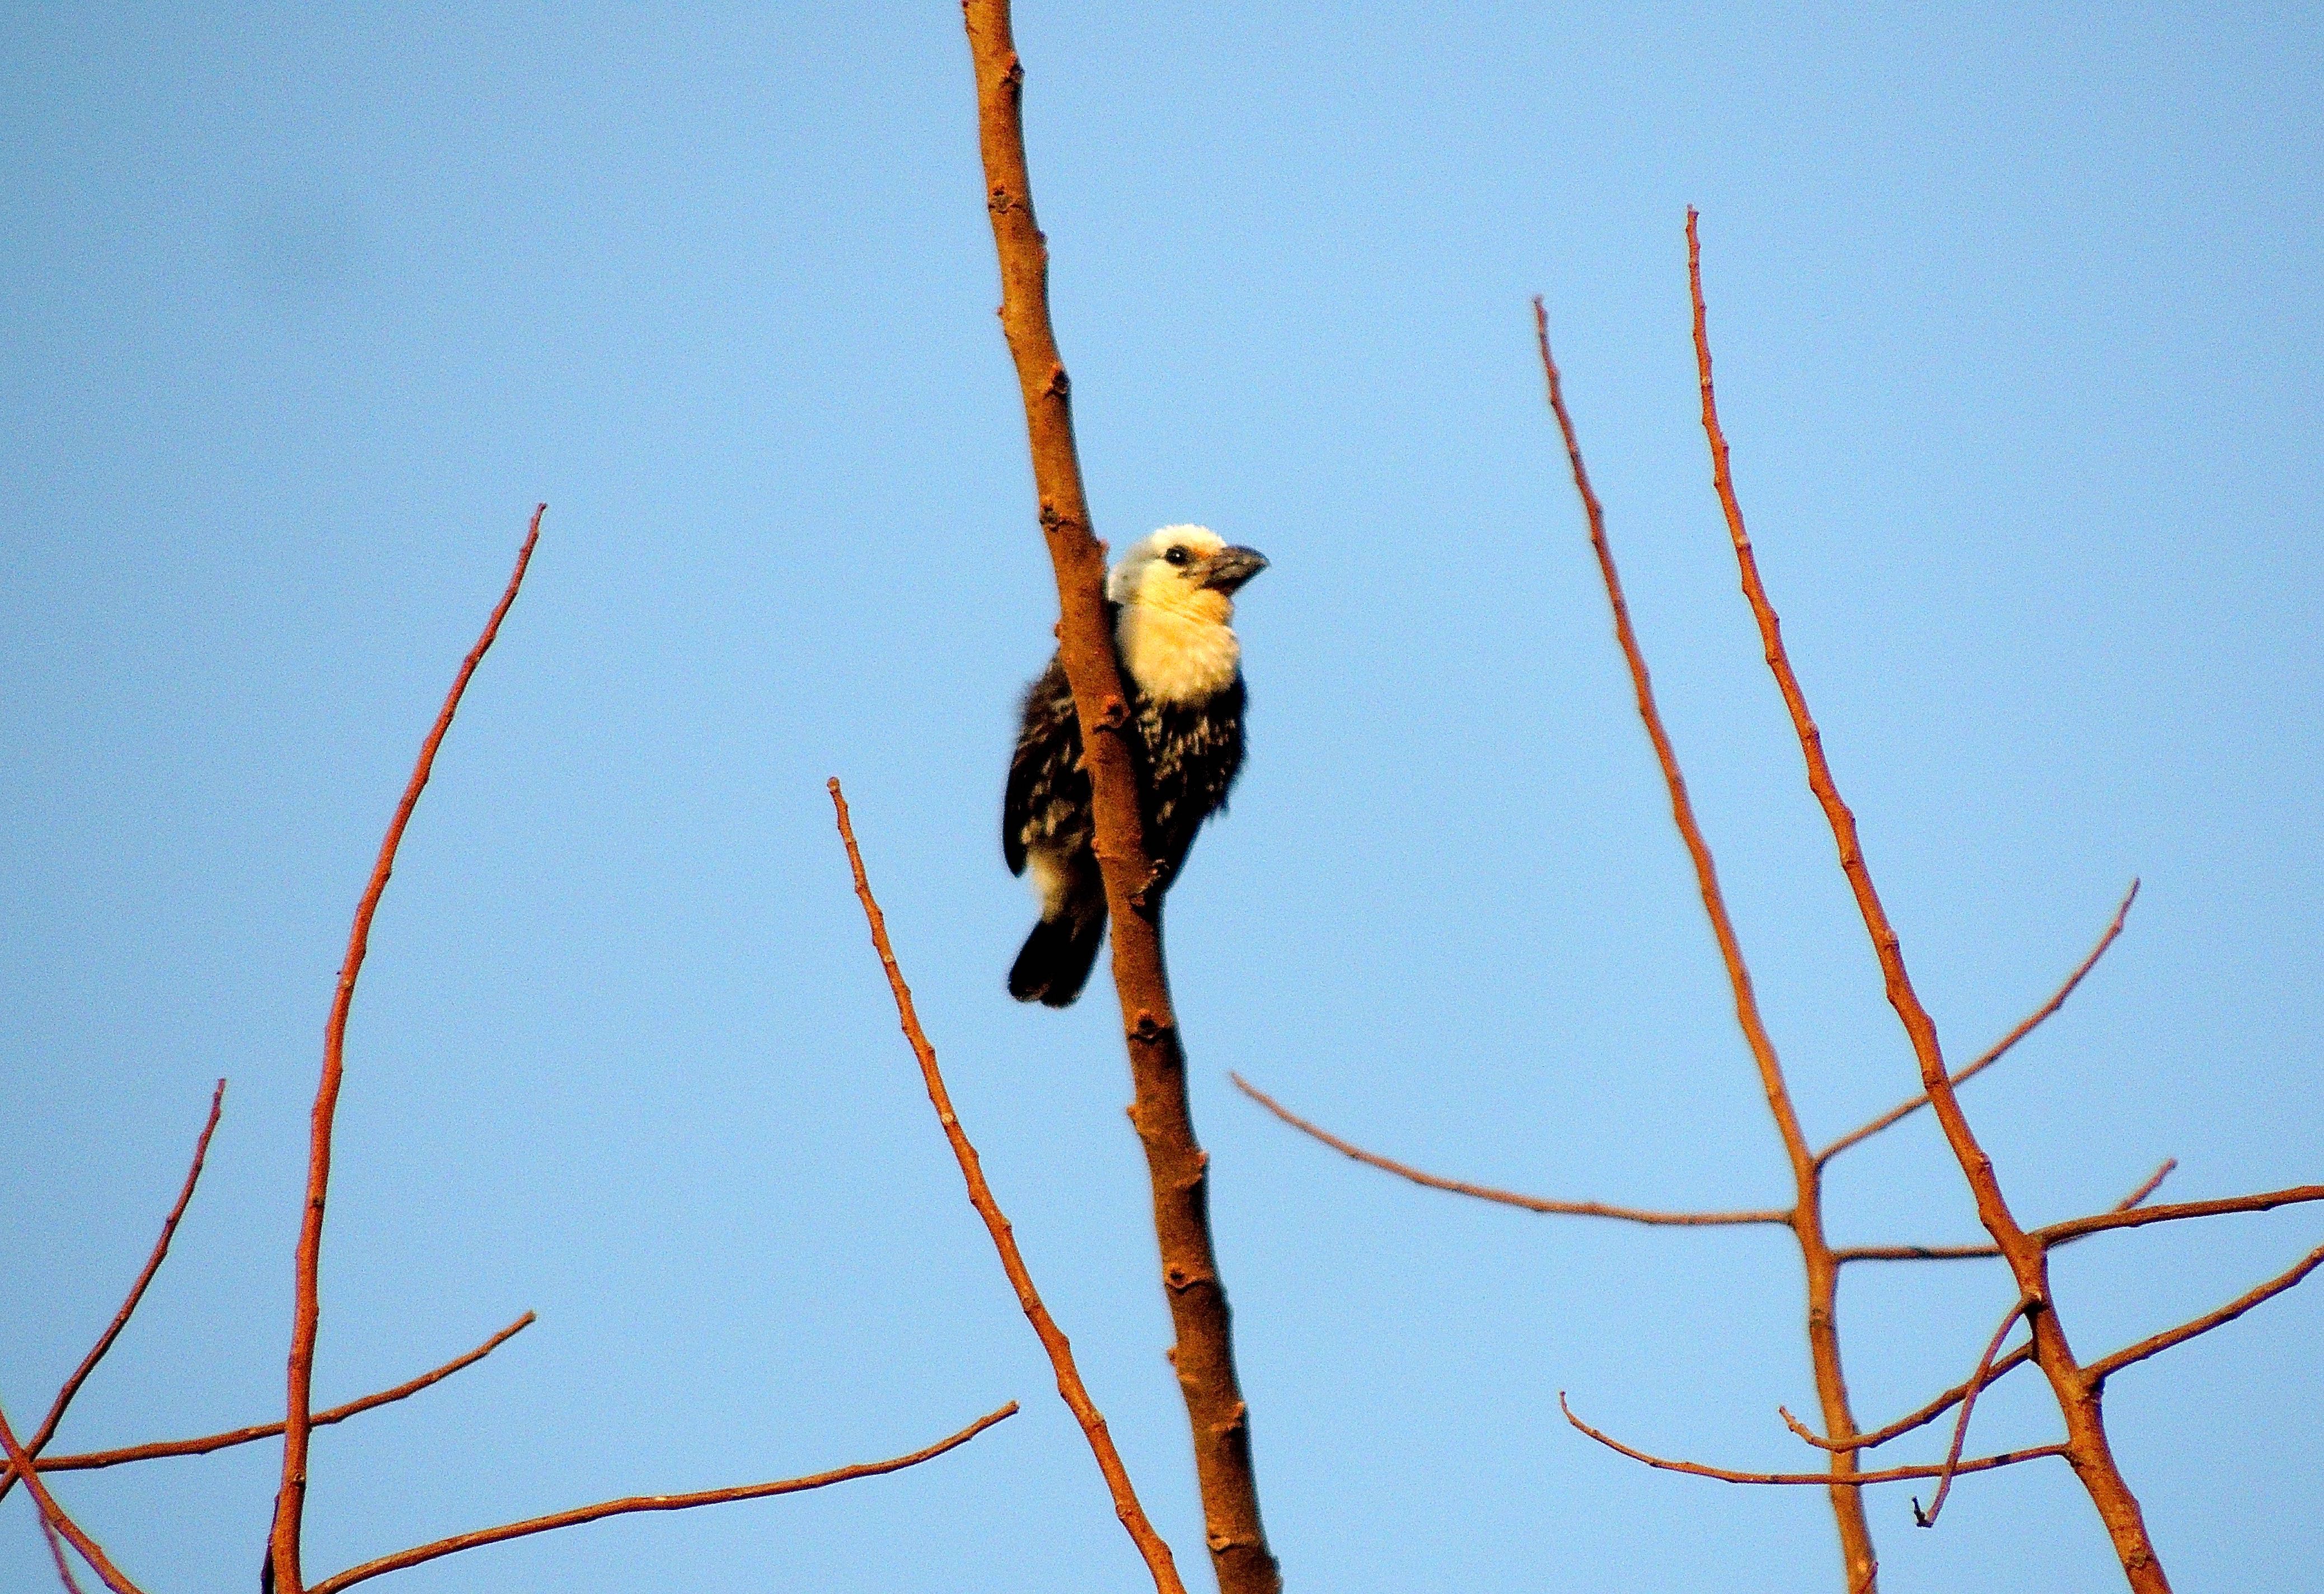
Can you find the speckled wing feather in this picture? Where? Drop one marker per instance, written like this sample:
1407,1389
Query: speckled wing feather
1048,795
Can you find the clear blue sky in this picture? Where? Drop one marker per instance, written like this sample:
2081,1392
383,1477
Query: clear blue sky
2018,320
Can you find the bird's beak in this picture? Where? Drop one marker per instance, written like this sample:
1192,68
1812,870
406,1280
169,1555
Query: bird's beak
1230,567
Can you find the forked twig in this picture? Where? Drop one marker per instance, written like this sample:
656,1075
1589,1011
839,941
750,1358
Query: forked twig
1829,1480
1974,1386
1955,1253
2099,1371
203,1446
1532,1203
290,1502
2000,1048
1151,1544
47,1428
53,1515
2054,1235
635,1503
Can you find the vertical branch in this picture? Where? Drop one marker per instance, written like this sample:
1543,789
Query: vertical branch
290,1504
1806,1217
1151,1544
2086,1449
1203,1346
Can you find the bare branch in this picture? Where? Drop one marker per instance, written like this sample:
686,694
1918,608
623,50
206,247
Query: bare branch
1532,1203
53,1515
2057,1234
1976,1386
1828,1479
2100,1370
290,1502
1911,1420
47,1428
1151,1544
634,1503
339,1414
2000,1048
1806,1215
1956,1253
1202,1347
2094,1463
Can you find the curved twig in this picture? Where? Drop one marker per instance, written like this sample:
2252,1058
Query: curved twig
203,1446
2099,1371
1976,1386
47,1428
1805,1480
1151,1544
1531,1203
290,1502
604,1509
56,1549
2000,1048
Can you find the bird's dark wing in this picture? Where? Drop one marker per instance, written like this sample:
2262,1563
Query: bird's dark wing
1045,764
1193,755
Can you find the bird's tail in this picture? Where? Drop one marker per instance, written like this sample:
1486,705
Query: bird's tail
1054,962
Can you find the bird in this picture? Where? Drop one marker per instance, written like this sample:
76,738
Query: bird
1171,602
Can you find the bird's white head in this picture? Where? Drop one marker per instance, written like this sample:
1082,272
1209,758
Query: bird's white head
1176,593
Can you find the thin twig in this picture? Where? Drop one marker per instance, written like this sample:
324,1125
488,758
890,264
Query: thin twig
1833,1480
339,1414
604,1509
1956,1253
1806,1215
2094,1464
1151,1544
54,1515
1532,1203
1975,1386
2100,1370
1911,1420
47,1428
290,1502
1203,1336
56,1550
2000,1048
2057,1234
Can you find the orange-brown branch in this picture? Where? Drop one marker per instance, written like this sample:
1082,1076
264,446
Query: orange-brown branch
1955,1253
1151,1544
2000,1048
1806,1216
290,1502
2099,1371
56,1551
1203,1350
47,1428
1510,1198
2085,1448
1970,1392
207,1443
2057,1234
1911,1420
1803,1479
635,1503
53,1515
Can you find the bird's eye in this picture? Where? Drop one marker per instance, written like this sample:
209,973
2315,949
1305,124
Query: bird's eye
1176,556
